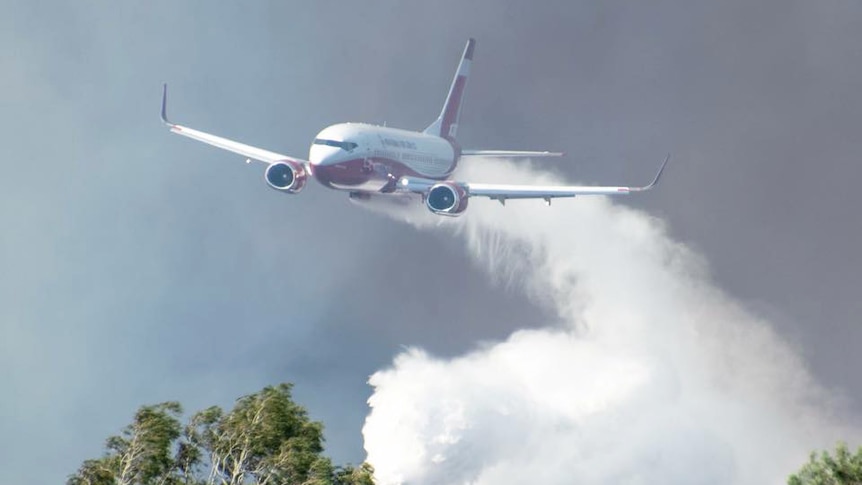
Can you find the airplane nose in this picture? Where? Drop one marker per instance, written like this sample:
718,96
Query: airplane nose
325,167
322,155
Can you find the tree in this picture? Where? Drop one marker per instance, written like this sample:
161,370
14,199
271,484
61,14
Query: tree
348,475
843,469
141,455
266,439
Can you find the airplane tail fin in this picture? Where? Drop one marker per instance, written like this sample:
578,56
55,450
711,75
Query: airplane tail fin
446,125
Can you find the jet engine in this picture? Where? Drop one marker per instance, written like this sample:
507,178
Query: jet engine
286,176
447,198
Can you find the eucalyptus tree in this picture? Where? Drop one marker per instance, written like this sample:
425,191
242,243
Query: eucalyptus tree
845,468
265,439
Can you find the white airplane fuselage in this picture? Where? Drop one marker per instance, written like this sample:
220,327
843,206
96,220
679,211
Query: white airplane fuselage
359,157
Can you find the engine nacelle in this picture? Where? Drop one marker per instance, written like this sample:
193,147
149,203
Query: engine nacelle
286,176
447,198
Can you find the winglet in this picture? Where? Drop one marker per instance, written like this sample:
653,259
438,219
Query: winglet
165,105
657,175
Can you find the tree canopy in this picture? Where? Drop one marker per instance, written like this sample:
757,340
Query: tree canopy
844,468
266,439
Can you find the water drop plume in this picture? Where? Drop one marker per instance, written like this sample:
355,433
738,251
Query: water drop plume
655,375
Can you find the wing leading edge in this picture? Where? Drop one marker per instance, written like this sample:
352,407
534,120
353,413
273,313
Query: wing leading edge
502,192
248,151
509,154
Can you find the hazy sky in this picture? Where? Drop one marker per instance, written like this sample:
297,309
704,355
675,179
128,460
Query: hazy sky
137,266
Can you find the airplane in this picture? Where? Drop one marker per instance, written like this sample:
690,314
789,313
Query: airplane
366,160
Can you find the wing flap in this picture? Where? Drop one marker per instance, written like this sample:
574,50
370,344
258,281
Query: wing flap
502,192
509,154
247,151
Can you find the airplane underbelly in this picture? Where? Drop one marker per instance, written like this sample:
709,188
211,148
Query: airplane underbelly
355,175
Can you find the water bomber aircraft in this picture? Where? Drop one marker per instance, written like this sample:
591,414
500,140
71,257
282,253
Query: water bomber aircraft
366,160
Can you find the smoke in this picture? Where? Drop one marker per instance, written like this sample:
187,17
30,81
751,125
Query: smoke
656,376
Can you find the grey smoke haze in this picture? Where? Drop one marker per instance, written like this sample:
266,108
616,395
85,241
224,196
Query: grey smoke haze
137,267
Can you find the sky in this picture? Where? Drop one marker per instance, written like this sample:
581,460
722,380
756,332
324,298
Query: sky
138,267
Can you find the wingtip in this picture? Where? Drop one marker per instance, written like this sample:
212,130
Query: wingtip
660,171
468,50
164,112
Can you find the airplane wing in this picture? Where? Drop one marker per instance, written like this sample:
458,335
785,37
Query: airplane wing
508,154
248,151
502,192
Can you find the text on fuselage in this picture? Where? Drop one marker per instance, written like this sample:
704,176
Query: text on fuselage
398,143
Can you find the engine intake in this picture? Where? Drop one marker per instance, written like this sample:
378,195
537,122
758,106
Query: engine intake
286,176
447,198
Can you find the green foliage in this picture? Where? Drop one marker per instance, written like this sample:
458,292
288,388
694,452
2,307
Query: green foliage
141,455
842,469
101,471
363,475
266,439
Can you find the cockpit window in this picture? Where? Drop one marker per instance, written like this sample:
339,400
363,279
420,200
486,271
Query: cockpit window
344,145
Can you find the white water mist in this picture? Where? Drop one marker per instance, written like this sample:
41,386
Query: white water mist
656,376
